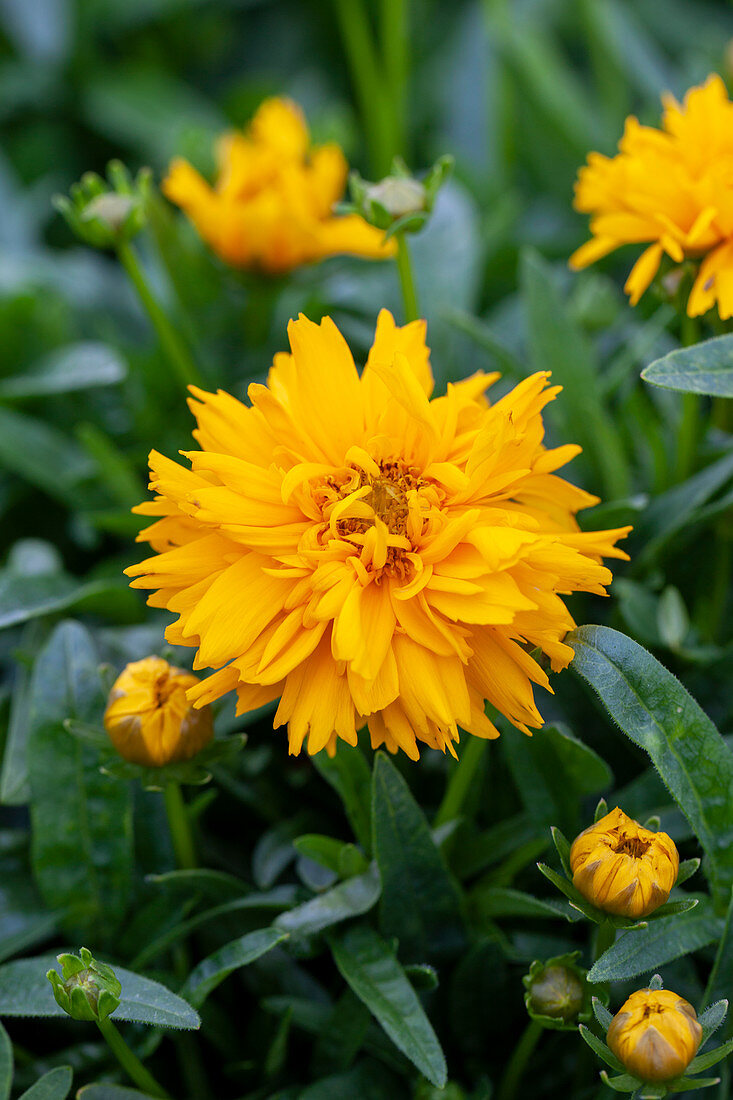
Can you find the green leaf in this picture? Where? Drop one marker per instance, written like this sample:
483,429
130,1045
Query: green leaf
348,773
600,1048
212,971
602,1014
706,368
29,597
624,1082
347,899
335,855
420,901
25,991
43,456
719,980
81,846
110,1092
14,790
370,968
216,885
657,714
6,1064
671,512
690,1084
710,1058
551,772
711,1019
502,901
558,344
574,896
646,949
54,1085
74,367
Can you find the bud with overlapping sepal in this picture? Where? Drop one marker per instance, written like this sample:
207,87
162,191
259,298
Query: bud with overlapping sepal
85,989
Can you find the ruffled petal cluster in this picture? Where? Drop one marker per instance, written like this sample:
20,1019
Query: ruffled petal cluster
271,205
671,189
655,1034
366,554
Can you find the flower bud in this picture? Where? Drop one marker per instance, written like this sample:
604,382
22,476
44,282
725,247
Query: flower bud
149,718
622,868
398,195
107,213
556,992
655,1034
86,989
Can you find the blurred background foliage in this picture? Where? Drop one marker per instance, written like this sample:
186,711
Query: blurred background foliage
518,92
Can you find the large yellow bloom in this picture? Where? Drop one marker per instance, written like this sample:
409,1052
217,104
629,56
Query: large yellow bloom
673,188
368,554
271,207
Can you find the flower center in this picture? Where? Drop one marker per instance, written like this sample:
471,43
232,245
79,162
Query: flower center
633,846
382,511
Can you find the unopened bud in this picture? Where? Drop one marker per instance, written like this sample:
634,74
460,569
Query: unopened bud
557,992
398,195
85,989
623,868
655,1034
149,718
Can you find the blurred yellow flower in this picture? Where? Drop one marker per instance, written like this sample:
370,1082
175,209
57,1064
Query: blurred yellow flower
623,868
655,1034
367,554
672,188
271,207
149,718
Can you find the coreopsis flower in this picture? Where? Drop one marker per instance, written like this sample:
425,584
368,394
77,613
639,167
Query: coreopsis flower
369,555
271,206
671,189
655,1034
623,868
149,718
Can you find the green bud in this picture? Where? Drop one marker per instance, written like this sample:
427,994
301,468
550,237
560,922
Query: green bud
106,214
557,992
399,203
85,989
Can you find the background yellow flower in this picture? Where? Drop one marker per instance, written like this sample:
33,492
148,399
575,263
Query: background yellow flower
673,189
271,207
367,554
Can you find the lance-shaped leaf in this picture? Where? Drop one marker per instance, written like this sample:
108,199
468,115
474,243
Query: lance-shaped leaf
81,846
420,901
369,966
212,971
657,714
706,368
646,949
25,991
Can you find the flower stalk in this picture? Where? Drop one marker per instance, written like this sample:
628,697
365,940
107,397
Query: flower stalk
514,1072
176,351
407,279
129,1061
180,827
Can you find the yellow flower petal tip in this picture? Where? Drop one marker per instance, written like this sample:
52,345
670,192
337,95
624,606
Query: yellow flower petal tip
271,207
149,718
369,555
655,1034
671,189
623,868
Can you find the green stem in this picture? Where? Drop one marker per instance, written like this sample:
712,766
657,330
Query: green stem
407,281
605,937
689,429
395,46
724,948
461,780
174,347
130,1062
180,827
369,84
518,1062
